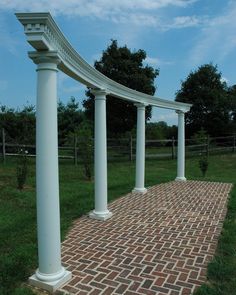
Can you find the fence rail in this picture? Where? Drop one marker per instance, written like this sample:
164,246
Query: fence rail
125,148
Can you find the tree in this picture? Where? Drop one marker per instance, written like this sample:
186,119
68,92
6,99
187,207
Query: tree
69,118
86,147
18,124
232,99
124,67
160,130
207,92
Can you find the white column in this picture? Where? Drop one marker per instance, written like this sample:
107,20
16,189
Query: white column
50,274
181,148
101,211
140,150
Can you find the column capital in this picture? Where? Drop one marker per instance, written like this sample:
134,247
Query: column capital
140,105
99,93
44,57
180,112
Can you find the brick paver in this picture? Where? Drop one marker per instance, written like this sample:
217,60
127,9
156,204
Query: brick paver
157,243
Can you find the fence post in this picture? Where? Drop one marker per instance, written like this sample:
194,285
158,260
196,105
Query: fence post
3,146
173,148
234,141
207,145
131,148
75,150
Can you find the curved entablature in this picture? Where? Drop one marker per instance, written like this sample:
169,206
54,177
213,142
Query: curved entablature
44,35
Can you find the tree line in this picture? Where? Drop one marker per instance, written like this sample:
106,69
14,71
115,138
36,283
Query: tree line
20,125
213,111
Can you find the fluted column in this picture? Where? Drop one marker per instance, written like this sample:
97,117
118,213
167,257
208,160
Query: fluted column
181,148
101,211
140,150
50,274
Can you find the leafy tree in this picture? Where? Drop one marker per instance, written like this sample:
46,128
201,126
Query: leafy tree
200,137
232,99
86,147
124,67
21,168
18,124
203,165
69,118
160,130
83,134
211,104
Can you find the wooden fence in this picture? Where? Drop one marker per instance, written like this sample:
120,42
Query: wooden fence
125,148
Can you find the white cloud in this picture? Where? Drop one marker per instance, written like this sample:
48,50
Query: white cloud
217,38
91,7
180,22
164,115
224,79
135,12
155,61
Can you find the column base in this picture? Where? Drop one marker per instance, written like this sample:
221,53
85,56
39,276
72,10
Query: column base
100,215
50,285
139,190
180,179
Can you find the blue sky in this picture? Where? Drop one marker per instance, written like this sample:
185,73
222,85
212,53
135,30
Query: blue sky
177,35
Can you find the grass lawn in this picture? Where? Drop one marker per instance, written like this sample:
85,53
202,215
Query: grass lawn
18,250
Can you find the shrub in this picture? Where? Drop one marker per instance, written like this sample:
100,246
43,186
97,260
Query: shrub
85,145
22,168
203,165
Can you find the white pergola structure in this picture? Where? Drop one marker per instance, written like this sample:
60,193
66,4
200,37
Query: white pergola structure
52,53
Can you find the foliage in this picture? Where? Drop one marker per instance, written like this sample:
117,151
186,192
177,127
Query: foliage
85,145
200,137
203,165
126,68
232,102
69,117
24,291
160,130
21,168
212,108
18,124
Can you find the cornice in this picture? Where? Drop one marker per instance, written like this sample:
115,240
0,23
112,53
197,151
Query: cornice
43,34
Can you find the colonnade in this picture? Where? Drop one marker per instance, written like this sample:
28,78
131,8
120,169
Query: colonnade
51,275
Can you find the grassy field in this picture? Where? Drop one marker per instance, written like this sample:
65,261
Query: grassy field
18,251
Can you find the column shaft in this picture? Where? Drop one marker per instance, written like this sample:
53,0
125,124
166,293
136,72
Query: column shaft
140,150
48,215
50,274
100,157
181,148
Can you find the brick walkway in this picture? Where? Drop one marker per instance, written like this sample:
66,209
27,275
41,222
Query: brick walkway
157,243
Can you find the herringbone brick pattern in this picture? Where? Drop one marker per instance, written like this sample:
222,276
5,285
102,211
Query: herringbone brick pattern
157,243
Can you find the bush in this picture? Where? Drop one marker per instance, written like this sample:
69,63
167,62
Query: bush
21,168
85,145
203,165
200,137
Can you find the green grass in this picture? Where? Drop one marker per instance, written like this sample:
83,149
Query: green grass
221,272
18,250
